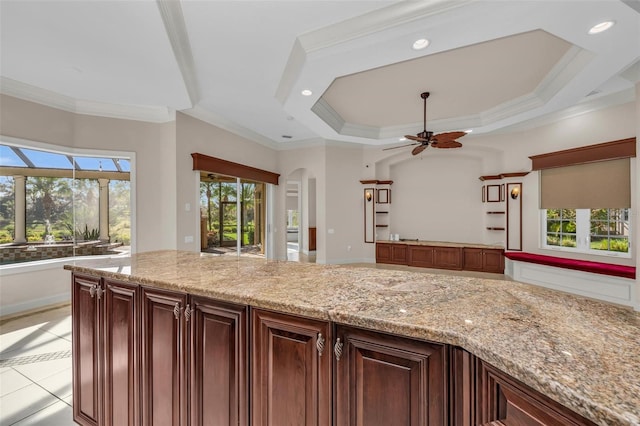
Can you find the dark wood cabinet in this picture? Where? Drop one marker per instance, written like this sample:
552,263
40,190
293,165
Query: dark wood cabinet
218,363
121,353
106,358
87,346
312,239
462,392
442,257
485,260
447,257
421,256
505,401
391,253
493,261
383,380
291,370
163,357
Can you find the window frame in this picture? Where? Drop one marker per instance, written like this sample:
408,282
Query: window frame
583,236
79,152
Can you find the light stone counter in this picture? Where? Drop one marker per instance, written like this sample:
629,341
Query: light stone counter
415,242
582,353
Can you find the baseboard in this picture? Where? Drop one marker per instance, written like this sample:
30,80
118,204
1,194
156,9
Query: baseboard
34,304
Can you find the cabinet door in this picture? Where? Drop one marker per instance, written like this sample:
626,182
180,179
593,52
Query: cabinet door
421,256
218,363
87,337
399,254
447,257
383,253
121,353
291,376
506,401
473,259
163,363
493,261
384,380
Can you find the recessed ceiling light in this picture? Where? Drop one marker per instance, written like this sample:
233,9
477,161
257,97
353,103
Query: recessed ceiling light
468,131
402,139
602,26
420,44
306,92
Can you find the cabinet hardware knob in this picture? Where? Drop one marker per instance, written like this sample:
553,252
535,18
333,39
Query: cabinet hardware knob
92,291
187,313
99,292
337,349
320,344
176,310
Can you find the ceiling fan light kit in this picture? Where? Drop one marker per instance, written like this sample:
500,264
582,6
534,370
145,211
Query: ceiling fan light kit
426,138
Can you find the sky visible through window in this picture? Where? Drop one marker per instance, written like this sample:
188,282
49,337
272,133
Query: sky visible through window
50,160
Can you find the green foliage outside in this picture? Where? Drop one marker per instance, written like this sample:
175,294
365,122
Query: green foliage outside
218,205
52,204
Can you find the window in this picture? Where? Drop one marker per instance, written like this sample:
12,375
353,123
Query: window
56,204
593,231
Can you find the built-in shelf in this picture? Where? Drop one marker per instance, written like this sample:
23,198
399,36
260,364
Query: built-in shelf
495,212
382,226
382,212
494,228
503,175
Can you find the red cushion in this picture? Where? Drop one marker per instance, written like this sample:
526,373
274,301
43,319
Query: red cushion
579,265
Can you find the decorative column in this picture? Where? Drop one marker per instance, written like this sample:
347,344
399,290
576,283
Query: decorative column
20,210
103,192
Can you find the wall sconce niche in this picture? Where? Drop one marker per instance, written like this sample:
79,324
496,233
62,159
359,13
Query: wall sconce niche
369,216
514,216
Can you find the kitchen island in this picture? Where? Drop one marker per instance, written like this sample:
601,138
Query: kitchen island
475,350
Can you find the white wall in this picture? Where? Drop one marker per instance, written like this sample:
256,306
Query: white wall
435,197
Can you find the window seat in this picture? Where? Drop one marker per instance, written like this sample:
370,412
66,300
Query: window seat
579,265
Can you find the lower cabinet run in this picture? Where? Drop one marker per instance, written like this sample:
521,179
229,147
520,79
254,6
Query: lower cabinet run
148,356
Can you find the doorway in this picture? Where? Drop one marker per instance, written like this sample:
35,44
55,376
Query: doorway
232,215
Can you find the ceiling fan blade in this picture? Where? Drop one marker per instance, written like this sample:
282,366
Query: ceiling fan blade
418,149
399,146
449,136
416,138
446,144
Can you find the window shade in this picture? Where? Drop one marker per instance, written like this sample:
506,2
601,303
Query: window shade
603,184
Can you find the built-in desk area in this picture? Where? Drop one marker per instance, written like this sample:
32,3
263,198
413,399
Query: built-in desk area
442,255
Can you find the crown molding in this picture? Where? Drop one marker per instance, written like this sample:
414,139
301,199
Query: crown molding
176,29
214,119
51,99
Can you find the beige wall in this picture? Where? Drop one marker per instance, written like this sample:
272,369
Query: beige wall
153,144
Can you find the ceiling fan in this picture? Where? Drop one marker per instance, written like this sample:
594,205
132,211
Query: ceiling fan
426,138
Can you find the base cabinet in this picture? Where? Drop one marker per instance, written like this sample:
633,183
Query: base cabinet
146,356
163,358
442,257
392,253
291,370
505,401
387,380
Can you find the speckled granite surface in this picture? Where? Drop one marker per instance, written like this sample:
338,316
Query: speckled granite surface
441,244
582,353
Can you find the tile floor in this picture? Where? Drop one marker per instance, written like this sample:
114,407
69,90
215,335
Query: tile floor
35,369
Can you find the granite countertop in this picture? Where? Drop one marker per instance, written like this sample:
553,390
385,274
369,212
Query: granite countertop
585,354
417,242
